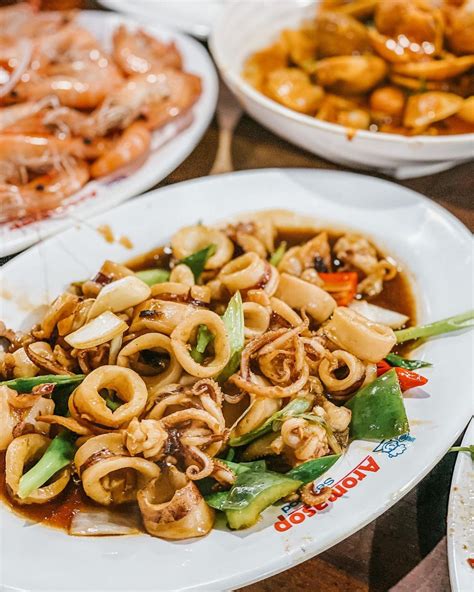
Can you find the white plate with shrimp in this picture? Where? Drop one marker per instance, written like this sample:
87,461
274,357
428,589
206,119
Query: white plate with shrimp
170,142
371,476
460,519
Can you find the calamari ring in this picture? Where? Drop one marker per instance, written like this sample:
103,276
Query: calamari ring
182,274
86,402
22,451
343,386
256,319
184,331
244,272
173,508
111,444
281,308
161,316
103,483
129,356
190,239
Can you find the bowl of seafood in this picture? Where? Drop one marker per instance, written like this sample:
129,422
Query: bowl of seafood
251,385
386,85
93,110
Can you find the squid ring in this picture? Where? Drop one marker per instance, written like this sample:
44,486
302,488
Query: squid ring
284,311
184,331
155,342
244,272
86,402
190,239
343,386
173,508
22,451
182,274
256,319
98,479
363,338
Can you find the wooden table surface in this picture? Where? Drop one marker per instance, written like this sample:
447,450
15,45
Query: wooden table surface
379,556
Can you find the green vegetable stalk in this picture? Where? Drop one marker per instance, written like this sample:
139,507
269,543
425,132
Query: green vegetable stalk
57,456
203,339
26,385
295,407
278,255
469,449
153,276
234,324
400,362
455,323
197,261
378,411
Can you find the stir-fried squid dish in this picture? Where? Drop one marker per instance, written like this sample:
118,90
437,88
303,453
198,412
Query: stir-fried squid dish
394,66
72,111
221,373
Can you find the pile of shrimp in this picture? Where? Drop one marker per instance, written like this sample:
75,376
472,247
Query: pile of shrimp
70,111
393,66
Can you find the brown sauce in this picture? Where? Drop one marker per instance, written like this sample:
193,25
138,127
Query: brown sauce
58,513
397,295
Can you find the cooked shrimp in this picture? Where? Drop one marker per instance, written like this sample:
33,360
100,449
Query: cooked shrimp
133,144
20,154
136,52
183,91
22,20
15,113
83,88
44,193
158,96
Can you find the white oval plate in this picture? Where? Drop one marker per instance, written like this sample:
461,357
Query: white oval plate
191,16
172,144
461,520
369,479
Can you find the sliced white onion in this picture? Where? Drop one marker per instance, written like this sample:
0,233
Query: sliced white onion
384,316
120,295
115,347
104,522
100,330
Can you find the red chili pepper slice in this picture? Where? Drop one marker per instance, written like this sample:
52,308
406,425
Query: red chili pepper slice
342,285
406,378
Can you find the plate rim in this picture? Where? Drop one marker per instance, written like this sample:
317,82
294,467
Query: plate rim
277,565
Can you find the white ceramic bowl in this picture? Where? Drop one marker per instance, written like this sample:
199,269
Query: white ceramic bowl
244,27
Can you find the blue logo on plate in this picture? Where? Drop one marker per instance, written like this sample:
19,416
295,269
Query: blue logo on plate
395,446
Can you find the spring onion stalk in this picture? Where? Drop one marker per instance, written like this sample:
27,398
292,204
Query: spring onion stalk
277,256
469,449
197,261
203,339
57,456
26,385
400,362
234,323
455,323
153,276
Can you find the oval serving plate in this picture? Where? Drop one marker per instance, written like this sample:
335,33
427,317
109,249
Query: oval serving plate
368,480
170,145
461,520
